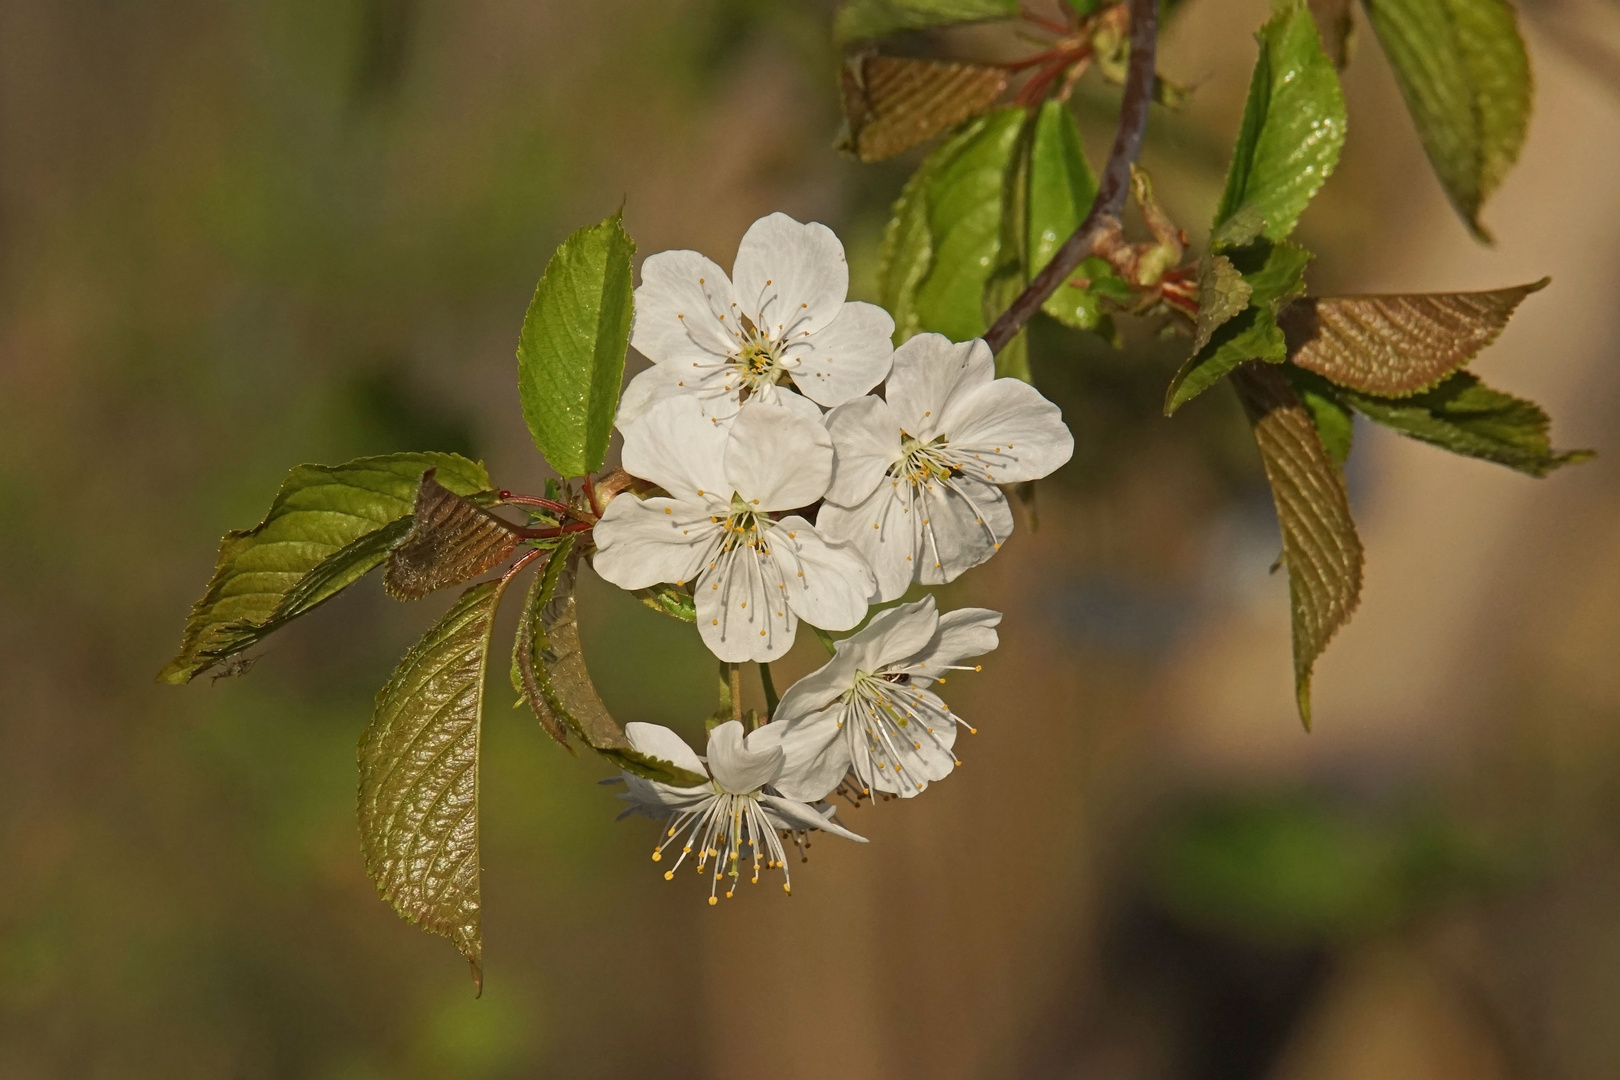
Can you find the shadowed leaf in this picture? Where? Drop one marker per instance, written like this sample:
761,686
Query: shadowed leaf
858,20
419,777
451,540
1334,421
548,668
328,527
1464,73
1222,294
1467,417
571,353
1396,345
1320,545
1293,127
891,103
1336,25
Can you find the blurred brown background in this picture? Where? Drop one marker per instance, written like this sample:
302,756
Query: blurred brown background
237,234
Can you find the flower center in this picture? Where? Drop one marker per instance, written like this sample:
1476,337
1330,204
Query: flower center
742,525
758,363
921,461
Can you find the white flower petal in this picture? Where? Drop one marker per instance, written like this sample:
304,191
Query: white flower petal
678,309
658,741
1009,428
790,277
777,460
866,441
961,634
657,801
740,610
817,690
644,542
916,754
896,633
677,447
815,757
847,358
789,814
827,586
646,390
882,529
738,767
929,370
961,527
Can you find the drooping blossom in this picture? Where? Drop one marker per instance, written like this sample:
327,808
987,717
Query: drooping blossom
915,487
871,710
753,575
732,822
781,318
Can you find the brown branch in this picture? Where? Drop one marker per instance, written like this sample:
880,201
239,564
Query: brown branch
1116,180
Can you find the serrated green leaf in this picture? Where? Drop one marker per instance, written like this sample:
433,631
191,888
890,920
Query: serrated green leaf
1467,417
1275,274
451,540
668,600
571,353
893,103
944,240
1062,188
1463,70
548,668
1396,345
419,777
1320,545
859,20
1293,126
1332,417
1222,295
328,527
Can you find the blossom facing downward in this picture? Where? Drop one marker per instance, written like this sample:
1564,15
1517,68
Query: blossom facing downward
915,488
871,709
754,575
731,820
781,317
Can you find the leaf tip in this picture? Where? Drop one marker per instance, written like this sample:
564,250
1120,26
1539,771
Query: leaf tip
1302,697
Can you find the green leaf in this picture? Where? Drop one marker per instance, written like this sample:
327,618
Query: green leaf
944,240
1333,419
1464,73
1293,126
571,353
419,777
1467,417
1320,545
858,20
668,600
451,540
1274,274
327,528
894,103
1222,295
548,668
1062,188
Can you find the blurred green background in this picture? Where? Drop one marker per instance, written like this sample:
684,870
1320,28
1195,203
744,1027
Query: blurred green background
240,234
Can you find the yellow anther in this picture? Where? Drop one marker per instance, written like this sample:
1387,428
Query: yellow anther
787,888
715,899
669,875
658,856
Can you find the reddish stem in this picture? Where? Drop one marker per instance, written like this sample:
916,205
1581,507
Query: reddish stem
520,564
590,494
534,500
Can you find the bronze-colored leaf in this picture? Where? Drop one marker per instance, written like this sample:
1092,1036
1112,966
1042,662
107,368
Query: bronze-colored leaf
1394,346
1222,294
452,540
1320,545
1335,22
891,103
419,777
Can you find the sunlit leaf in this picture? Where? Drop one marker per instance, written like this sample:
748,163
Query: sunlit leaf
327,528
1465,75
1396,345
548,668
944,240
858,20
451,540
893,103
1465,416
571,353
1320,545
1293,126
1062,188
668,600
1274,274
419,777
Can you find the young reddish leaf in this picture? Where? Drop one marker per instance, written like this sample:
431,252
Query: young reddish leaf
891,103
1396,345
1320,545
419,777
451,540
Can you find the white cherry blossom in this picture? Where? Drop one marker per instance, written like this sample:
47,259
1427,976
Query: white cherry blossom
718,820
871,710
782,317
754,575
915,486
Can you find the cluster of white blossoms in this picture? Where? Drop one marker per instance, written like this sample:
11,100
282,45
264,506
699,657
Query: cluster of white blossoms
791,491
